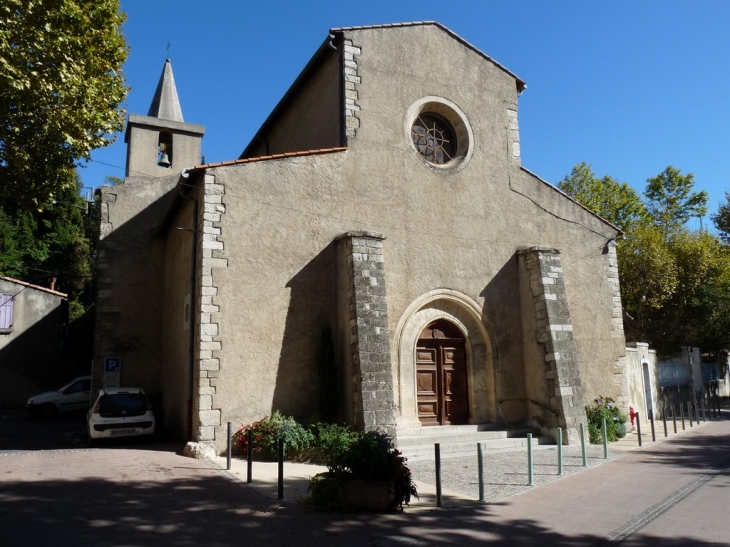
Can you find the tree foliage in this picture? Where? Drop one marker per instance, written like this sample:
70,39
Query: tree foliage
671,201
615,201
675,282
61,87
58,243
721,219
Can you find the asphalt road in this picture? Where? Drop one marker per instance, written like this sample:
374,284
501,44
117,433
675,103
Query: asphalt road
673,493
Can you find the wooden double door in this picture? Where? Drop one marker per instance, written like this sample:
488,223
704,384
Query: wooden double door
441,376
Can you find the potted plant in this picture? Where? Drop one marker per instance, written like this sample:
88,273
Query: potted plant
370,474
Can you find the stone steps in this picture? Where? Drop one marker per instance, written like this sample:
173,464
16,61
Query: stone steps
463,439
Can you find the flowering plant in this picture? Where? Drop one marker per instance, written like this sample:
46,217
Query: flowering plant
605,407
266,434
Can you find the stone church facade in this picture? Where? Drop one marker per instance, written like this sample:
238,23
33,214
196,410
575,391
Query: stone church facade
383,206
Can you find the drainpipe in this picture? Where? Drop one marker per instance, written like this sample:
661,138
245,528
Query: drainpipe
193,315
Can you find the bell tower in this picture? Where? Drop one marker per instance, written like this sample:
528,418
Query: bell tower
161,143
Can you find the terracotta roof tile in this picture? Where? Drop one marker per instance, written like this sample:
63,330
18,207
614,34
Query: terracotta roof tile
269,157
31,286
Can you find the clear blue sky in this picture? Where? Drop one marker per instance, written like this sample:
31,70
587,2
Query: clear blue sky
629,87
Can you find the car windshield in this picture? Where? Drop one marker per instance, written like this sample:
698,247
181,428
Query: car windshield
122,404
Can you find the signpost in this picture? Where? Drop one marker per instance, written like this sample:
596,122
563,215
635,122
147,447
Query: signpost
112,372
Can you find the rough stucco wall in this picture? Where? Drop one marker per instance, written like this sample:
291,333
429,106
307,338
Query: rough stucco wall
312,119
634,371
175,365
30,352
456,230
453,230
130,270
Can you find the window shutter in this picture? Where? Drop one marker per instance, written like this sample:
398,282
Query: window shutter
6,312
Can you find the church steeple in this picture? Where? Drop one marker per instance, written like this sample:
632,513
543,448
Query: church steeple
165,104
161,143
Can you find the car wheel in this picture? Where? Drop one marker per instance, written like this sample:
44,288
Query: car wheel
47,410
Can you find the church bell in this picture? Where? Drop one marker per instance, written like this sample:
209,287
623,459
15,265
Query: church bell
164,160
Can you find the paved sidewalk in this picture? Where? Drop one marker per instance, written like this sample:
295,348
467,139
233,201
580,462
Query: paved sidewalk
505,472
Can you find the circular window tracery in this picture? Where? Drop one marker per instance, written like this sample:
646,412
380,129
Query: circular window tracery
434,138
439,134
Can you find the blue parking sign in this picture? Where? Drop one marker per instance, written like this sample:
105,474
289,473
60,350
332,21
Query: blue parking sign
112,364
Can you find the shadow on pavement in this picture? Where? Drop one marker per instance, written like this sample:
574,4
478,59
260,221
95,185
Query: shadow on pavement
210,509
693,450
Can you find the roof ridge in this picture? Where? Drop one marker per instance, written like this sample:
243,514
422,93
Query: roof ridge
521,85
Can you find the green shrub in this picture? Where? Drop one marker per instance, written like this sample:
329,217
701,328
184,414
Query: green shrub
604,407
266,433
330,442
324,494
372,457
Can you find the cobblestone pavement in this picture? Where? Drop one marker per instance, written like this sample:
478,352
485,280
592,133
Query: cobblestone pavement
505,473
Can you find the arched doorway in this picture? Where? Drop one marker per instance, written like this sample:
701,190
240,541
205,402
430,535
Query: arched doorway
441,375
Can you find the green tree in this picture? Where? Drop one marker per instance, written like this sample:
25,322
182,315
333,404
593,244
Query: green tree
57,242
721,219
111,180
54,242
615,201
671,201
61,86
675,282
648,276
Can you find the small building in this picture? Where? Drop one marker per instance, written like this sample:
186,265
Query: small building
32,325
377,255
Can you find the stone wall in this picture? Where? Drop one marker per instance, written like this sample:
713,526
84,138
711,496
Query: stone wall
369,343
207,421
352,79
555,334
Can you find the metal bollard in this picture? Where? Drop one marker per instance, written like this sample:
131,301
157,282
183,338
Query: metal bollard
674,418
560,451
281,468
228,451
697,412
605,438
689,412
437,450
638,427
583,444
651,421
681,412
249,456
704,412
530,478
664,419
480,461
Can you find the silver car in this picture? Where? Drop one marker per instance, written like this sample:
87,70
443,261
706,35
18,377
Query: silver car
120,412
75,395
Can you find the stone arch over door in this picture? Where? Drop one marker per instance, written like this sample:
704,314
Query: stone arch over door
464,314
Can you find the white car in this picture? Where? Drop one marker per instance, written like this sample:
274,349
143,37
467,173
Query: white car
76,395
120,412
